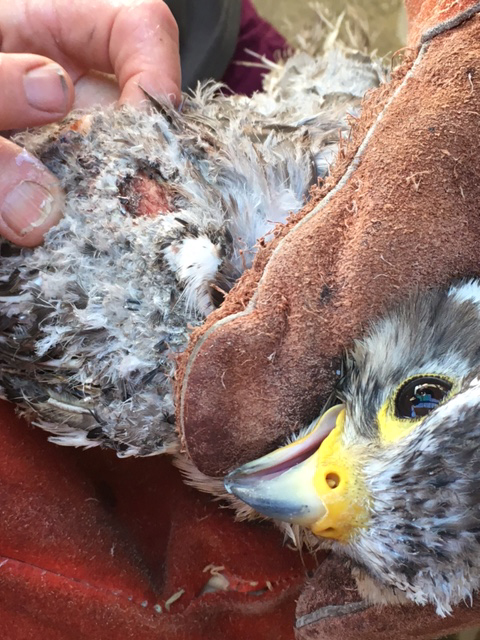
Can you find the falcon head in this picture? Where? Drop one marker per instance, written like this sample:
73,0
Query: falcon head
391,476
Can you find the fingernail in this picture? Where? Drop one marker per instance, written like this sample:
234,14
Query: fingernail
46,89
28,206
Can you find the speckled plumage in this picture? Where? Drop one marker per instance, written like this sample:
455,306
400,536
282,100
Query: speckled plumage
422,541
163,212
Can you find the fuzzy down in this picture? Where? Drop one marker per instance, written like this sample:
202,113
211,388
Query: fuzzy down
163,211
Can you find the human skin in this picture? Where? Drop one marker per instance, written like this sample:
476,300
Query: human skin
60,54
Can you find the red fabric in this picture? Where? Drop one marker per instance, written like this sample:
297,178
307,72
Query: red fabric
256,35
90,543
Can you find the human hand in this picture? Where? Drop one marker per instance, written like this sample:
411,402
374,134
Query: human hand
54,55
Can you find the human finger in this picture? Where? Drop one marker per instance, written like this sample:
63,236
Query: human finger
145,49
31,200
33,91
137,40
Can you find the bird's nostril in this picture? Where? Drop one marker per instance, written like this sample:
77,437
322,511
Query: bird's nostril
333,480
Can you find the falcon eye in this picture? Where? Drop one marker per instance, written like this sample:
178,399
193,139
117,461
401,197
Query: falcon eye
418,396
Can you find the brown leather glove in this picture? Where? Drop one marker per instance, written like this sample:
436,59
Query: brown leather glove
400,211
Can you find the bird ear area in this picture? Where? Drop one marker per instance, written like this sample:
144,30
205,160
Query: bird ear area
414,399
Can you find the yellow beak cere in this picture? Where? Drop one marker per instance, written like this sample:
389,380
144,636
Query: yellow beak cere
311,482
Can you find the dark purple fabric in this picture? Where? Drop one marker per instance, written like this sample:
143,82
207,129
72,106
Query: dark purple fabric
257,35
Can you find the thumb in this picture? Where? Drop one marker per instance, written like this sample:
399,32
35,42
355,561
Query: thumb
35,91
31,200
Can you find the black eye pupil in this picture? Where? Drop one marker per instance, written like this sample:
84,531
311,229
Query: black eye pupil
420,395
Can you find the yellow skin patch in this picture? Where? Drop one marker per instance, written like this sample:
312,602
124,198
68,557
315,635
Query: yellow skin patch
340,488
392,428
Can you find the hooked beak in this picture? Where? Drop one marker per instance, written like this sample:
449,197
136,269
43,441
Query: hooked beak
307,482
